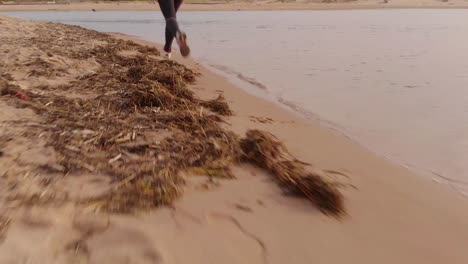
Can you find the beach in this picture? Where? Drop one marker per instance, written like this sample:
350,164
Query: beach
241,5
347,63
392,215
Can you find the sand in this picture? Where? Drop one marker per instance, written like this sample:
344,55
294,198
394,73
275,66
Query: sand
393,216
244,5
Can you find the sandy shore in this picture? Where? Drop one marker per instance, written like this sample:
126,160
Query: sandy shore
393,216
235,5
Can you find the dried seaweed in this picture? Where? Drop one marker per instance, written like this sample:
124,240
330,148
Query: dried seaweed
218,105
265,151
115,126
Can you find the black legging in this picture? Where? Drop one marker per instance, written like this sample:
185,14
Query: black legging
169,9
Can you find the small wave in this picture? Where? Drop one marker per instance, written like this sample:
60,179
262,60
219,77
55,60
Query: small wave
142,21
457,185
332,126
239,75
206,22
310,115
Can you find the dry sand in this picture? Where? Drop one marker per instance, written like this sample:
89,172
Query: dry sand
245,5
393,216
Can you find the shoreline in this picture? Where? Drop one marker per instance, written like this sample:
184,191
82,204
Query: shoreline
236,6
366,169
314,119
394,216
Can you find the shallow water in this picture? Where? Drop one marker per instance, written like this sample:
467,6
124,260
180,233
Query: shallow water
395,80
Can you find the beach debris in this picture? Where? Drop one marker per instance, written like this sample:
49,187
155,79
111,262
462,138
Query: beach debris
112,131
218,105
155,189
6,88
263,120
243,208
21,95
116,158
264,150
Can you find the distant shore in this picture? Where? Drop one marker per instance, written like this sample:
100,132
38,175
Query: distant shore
237,5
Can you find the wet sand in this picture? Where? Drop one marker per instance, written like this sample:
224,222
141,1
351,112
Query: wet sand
239,5
393,216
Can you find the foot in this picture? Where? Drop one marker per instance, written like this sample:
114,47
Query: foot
167,53
181,39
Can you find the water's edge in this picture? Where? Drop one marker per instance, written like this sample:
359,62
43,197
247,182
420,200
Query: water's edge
261,91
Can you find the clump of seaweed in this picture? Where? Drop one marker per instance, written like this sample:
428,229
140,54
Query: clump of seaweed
136,120
262,149
218,105
147,191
